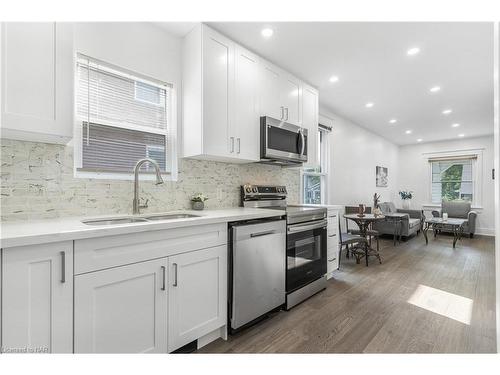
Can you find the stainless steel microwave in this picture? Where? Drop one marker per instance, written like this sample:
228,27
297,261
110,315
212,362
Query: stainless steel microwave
282,143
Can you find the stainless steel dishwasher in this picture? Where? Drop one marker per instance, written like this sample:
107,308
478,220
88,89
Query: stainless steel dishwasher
257,270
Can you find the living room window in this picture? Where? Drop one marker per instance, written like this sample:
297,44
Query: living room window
453,179
121,117
314,180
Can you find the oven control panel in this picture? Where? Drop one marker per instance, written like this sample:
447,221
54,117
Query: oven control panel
262,191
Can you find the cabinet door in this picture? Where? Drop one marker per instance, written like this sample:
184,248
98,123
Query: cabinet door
290,95
332,243
122,309
37,81
37,297
310,114
270,91
246,123
218,79
197,295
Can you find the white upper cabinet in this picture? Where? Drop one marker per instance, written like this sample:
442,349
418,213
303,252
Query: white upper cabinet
226,89
310,114
219,123
291,98
270,91
37,81
246,122
218,80
280,94
37,297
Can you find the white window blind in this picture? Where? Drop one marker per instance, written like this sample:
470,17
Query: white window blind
452,179
123,117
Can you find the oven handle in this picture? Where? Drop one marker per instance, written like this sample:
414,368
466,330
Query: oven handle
303,228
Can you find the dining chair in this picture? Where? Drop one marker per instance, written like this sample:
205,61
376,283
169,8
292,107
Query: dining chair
371,233
348,239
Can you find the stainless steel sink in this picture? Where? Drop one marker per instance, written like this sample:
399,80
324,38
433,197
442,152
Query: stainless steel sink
131,220
170,216
115,221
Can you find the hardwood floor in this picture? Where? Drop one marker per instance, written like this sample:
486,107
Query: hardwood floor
365,309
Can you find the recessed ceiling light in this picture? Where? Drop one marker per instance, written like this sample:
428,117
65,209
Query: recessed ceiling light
334,79
455,125
267,32
461,135
446,111
408,132
435,89
413,51
369,105
419,140
393,121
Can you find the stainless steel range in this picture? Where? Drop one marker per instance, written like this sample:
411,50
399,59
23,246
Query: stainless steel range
306,246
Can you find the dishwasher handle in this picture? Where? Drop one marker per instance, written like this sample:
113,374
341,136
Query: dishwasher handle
260,234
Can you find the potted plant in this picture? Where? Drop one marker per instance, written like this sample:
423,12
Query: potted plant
406,196
198,201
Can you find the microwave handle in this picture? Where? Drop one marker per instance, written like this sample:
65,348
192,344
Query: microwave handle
302,142
282,111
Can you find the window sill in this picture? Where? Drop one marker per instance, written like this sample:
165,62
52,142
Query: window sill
122,176
437,205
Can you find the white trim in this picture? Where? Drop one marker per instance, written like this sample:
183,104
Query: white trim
465,152
120,176
434,206
170,132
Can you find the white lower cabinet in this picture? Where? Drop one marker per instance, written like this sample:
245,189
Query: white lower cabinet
332,242
122,309
197,294
37,298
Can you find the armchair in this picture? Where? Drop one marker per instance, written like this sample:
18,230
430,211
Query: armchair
411,223
459,210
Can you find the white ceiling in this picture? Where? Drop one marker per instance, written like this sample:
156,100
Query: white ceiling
372,65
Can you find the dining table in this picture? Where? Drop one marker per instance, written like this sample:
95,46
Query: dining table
364,223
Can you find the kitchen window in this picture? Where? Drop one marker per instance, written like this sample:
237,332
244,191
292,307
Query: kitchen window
454,179
314,180
121,117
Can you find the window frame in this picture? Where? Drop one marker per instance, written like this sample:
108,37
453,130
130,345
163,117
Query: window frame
477,173
324,167
171,162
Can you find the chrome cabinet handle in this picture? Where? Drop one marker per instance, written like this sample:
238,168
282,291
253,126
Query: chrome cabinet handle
261,233
286,109
175,274
332,235
163,270
331,260
282,109
239,145
232,144
63,266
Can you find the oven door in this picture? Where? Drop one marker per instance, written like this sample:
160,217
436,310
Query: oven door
283,141
306,253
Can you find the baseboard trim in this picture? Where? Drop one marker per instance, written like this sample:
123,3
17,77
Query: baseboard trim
485,232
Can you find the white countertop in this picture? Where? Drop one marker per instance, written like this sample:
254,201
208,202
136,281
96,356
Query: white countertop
21,233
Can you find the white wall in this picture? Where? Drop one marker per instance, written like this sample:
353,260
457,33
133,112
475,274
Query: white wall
354,154
414,174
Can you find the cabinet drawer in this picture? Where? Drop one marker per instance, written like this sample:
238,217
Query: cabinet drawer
332,241
99,253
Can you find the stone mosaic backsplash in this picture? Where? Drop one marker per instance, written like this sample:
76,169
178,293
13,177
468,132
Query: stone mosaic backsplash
37,182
